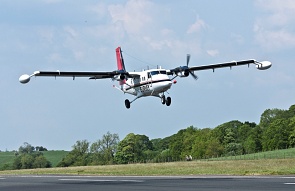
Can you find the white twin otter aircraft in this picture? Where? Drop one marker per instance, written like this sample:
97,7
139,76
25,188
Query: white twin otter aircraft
153,82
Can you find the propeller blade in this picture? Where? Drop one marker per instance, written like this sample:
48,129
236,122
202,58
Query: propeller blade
194,75
188,56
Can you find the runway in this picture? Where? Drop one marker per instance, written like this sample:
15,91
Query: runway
162,183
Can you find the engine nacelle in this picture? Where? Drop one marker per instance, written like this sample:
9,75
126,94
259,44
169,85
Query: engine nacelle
264,65
120,77
184,73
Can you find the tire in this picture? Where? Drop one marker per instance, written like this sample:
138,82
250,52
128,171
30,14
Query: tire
127,103
163,100
168,101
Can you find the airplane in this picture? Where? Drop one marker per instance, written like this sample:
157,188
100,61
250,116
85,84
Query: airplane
151,82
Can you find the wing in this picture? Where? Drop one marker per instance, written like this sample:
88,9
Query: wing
222,65
91,75
117,75
184,71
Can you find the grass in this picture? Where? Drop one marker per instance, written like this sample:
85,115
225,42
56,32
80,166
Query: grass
277,154
280,162
54,156
235,167
7,158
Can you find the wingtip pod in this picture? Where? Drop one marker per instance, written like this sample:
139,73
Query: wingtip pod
264,65
24,78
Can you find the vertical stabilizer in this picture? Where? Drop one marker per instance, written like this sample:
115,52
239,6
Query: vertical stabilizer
120,60
120,63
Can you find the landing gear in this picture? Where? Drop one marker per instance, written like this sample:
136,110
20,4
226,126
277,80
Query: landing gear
168,101
165,100
127,103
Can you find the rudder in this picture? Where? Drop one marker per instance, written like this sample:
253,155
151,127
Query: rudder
120,60
120,63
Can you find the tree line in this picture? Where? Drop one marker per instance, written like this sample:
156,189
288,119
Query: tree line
276,130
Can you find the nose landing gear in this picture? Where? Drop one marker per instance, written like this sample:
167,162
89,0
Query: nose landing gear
127,103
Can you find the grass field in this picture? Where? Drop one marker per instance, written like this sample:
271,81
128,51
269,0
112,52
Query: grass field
7,158
281,162
277,154
229,167
55,156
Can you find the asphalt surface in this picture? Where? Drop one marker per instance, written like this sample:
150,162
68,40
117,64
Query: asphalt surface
124,183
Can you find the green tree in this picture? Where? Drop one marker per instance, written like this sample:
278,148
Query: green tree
269,115
276,136
41,162
27,158
26,149
79,156
133,149
104,149
253,143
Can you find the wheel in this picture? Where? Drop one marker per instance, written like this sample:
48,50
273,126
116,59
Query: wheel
127,103
168,101
163,99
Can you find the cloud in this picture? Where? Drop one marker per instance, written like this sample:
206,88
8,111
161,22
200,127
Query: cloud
134,16
274,39
198,26
213,53
274,29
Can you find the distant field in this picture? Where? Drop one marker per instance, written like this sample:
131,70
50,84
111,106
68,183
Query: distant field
277,154
7,158
55,156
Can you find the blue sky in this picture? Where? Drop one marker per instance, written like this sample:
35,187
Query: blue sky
82,36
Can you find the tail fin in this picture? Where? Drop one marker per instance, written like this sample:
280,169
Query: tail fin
120,60
120,63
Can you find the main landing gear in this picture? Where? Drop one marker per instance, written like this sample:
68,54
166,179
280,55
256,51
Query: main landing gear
164,101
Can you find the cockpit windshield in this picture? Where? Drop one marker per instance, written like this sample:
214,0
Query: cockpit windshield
158,72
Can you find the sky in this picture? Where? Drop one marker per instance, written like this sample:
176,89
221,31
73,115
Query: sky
83,35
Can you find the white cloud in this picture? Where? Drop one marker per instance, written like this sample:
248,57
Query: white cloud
213,53
72,32
275,39
274,29
134,15
198,26
100,9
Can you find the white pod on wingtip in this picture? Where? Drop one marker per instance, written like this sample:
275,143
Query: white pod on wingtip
264,65
24,78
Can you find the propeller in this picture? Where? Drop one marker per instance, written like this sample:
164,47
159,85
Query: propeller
184,71
188,57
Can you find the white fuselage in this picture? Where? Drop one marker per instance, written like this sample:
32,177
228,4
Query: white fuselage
147,83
